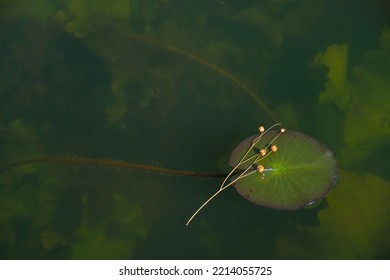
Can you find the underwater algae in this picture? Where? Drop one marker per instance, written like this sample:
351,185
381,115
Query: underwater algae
43,209
350,227
86,22
362,95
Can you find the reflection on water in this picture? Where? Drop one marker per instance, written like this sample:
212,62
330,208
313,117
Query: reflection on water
182,83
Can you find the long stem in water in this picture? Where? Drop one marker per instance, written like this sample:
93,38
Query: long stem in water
221,71
111,163
162,170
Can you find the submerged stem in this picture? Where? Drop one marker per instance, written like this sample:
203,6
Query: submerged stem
123,164
111,163
221,71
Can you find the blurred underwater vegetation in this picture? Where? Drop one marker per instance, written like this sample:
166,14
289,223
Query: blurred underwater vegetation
180,84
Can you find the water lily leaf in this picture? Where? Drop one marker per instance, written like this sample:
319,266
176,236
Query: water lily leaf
301,172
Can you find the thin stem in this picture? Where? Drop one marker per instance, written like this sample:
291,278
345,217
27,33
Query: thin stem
246,172
243,160
255,141
203,205
111,163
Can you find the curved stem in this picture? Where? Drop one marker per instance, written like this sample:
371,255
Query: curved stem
111,163
202,61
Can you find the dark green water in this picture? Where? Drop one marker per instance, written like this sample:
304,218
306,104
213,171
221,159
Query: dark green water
174,83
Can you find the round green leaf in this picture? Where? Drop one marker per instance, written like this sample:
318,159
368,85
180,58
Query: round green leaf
299,173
